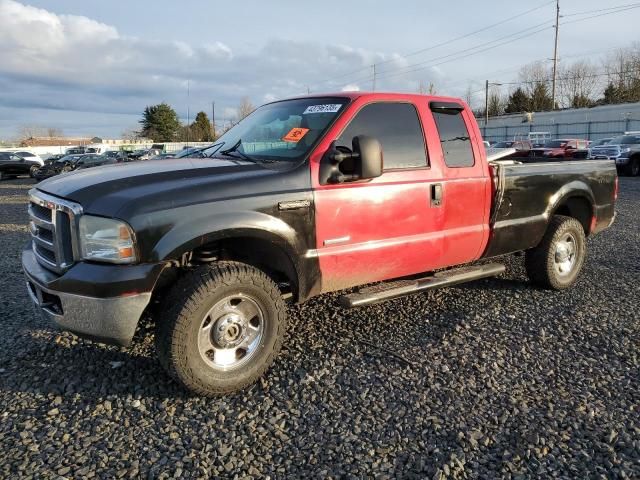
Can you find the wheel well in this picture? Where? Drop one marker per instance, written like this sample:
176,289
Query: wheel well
260,253
578,208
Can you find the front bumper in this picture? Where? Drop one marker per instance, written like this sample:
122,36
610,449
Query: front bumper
106,319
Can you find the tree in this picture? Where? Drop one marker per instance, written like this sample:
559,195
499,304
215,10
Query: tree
54,132
576,84
535,78
540,98
518,102
496,103
160,123
201,128
245,108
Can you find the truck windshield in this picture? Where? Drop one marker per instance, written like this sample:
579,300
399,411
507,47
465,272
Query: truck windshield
282,131
625,140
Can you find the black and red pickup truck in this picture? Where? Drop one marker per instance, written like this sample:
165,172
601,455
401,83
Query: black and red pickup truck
304,196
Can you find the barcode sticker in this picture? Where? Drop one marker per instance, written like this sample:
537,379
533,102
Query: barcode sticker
327,108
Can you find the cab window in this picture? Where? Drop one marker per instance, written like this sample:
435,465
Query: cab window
396,126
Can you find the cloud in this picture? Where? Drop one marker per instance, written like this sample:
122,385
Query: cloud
67,63
351,87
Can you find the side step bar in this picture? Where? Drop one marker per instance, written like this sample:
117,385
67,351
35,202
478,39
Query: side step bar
446,278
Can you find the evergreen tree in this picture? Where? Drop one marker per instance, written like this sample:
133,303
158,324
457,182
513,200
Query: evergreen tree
160,123
518,102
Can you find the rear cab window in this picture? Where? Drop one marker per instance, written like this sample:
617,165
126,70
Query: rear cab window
398,129
454,136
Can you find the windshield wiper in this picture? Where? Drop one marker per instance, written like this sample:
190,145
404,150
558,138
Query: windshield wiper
234,149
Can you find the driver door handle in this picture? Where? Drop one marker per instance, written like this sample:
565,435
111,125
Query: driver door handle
436,194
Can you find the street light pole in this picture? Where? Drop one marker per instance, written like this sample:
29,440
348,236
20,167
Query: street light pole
555,58
486,103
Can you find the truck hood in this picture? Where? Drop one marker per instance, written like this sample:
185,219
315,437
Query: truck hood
111,190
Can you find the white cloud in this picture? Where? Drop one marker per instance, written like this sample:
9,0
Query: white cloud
61,63
351,87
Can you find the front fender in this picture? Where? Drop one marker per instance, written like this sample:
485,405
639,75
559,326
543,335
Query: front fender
194,232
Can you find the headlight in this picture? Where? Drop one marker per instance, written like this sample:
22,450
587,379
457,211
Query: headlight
106,240
625,150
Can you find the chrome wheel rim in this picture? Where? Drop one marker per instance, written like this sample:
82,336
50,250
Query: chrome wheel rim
231,332
565,254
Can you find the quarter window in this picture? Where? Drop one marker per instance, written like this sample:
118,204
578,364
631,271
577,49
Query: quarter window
396,126
454,138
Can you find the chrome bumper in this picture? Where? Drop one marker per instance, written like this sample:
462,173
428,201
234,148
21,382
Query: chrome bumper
107,320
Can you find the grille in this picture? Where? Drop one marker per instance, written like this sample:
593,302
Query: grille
53,229
608,151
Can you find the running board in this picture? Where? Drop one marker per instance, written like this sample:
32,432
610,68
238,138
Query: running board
446,278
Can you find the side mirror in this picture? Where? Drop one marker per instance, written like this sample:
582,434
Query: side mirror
364,161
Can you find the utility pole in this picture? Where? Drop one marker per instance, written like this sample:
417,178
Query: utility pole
213,119
374,77
555,58
308,90
486,103
188,115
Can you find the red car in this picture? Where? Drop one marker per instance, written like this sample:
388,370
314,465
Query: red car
559,148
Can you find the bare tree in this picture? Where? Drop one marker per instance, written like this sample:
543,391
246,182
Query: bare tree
577,85
497,102
245,108
623,75
468,96
26,132
534,78
130,134
53,132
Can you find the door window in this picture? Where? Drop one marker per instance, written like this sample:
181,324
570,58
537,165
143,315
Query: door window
454,138
396,126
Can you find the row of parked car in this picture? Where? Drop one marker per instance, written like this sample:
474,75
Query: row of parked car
13,164
624,149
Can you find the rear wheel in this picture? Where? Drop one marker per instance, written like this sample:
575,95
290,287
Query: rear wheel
33,170
556,262
633,169
223,328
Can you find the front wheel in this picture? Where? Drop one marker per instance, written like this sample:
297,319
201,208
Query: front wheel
556,262
223,328
33,170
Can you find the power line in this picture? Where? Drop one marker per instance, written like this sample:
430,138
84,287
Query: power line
601,15
442,44
417,52
466,55
600,10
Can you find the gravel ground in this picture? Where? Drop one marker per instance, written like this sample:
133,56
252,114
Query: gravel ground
495,379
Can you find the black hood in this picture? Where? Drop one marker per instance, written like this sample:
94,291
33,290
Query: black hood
115,190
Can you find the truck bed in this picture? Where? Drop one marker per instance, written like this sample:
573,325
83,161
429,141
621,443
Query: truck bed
525,195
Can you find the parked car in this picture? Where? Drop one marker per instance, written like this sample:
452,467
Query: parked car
299,200
65,164
625,150
163,156
117,155
31,157
12,165
560,148
90,161
144,154
522,147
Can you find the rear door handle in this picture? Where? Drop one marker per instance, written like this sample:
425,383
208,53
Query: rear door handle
436,194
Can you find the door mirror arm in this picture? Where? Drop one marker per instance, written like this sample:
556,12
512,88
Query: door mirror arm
365,161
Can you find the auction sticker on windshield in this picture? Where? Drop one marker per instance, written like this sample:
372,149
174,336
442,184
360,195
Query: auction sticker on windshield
327,108
295,134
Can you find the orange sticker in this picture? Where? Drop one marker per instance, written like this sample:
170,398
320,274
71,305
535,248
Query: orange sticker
295,134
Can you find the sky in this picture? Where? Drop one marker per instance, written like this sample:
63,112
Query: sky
90,67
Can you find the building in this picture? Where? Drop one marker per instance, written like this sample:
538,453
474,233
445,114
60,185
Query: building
589,123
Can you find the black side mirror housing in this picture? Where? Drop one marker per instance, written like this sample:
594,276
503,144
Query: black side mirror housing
363,162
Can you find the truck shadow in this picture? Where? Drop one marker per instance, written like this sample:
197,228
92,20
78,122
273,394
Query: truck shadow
57,363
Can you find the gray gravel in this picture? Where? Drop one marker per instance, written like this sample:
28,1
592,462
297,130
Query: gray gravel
495,379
